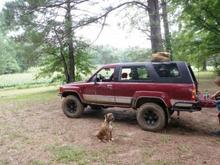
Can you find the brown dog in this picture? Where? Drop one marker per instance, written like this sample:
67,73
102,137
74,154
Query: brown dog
160,57
105,133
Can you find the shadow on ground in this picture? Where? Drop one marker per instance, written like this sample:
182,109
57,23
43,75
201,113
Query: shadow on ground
181,126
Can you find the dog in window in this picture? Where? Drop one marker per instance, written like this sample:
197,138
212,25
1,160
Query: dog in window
105,132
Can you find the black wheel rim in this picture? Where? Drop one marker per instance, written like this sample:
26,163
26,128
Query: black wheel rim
71,106
151,118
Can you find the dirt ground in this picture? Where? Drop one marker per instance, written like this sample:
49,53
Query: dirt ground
39,133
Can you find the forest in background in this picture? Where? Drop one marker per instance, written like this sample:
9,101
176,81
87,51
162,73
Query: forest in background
43,34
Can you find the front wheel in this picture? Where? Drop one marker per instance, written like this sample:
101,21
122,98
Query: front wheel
151,117
72,107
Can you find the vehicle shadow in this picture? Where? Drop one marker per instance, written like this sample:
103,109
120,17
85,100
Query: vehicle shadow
120,114
180,126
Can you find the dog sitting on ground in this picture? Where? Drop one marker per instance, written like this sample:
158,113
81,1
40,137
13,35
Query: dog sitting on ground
105,133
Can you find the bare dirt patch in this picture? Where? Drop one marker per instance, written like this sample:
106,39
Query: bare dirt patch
34,130
39,133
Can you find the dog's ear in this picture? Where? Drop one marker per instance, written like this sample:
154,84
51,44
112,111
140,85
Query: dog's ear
105,116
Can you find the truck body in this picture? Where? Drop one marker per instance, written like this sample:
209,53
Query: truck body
145,86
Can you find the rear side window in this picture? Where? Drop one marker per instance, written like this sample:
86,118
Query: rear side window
167,70
134,73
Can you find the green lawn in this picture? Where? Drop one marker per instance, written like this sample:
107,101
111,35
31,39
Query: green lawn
205,75
22,80
29,95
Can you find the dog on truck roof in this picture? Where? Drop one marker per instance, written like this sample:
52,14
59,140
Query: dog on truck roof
160,57
105,132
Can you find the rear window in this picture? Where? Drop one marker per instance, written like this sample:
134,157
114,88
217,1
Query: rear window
167,70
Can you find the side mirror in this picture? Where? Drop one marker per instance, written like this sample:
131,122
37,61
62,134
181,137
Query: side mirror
97,79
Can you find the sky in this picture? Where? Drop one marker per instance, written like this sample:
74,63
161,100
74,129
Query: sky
112,34
2,2
115,36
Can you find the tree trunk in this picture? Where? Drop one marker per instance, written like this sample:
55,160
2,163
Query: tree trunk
166,27
69,32
65,66
155,30
204,66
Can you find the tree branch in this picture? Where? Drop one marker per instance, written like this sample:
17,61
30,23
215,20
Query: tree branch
109,10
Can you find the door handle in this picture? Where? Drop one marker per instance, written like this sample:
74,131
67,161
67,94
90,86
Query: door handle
109,86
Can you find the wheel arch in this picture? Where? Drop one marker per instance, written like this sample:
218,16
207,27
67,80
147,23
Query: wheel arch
74,93
157,100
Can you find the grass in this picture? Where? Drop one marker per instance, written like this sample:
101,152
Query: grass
165,139
31,93
206,81
23,80
20,79
19,99
183,148
4,162
205,75
67,154
37,162
78,155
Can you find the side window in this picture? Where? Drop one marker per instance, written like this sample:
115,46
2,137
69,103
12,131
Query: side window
167,70
134,73
142,73
105,75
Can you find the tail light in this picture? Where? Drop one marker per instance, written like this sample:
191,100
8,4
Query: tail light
60,90
194,93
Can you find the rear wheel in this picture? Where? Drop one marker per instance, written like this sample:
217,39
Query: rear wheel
151,117
72,107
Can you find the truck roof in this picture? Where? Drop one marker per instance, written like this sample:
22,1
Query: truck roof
140,63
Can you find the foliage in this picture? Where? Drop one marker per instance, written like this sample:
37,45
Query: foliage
104,54
8,63
217,68
52,66
199,33
40,27
107,54
136,55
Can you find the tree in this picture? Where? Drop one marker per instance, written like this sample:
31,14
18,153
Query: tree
166,27
8,62
53,20
145,16
155,29
200,29
83,62
57,22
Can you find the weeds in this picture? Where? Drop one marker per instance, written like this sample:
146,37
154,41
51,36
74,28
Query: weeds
165,139
37,162
66,154
183,148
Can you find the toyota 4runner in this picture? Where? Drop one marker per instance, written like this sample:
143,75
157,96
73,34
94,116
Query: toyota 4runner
154,89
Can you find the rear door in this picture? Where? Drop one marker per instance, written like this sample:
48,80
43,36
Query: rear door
131,79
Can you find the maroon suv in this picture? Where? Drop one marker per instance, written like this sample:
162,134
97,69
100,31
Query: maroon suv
154,89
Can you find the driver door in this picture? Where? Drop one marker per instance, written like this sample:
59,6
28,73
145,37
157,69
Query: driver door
104,87
100,88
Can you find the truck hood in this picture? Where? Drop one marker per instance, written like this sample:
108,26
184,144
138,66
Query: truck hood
74,84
